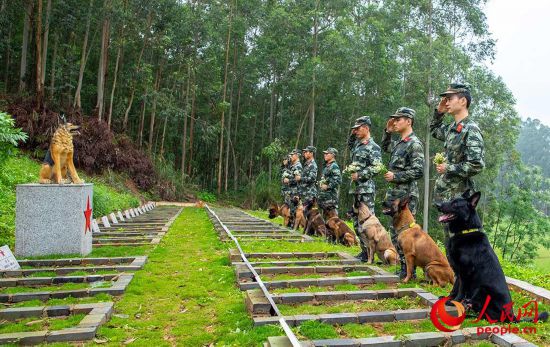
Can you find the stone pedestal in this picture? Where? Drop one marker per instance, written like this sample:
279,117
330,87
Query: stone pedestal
53,219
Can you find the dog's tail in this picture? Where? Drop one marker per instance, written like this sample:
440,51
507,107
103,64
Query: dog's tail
389,254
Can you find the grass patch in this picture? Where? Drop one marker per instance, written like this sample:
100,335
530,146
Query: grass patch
37,324
390,304
64,286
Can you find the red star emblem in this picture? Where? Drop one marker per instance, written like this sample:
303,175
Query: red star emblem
406,139
87,216
459,128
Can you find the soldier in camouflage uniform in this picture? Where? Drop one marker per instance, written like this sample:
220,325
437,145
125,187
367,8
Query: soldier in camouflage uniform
331,178
406,166
366,154
285,173
293,181
464,150
308,183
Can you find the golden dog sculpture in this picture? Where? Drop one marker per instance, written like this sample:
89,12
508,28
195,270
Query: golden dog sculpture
59,157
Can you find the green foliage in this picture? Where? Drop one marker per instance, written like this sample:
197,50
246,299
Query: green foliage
274,151
108,199
207,197
9,136
533,143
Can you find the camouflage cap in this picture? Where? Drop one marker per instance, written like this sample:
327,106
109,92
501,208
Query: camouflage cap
404,112
295,151
311,149
365,120
331,150
455,88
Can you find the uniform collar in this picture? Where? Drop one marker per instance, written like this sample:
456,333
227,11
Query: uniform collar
459,127
408,137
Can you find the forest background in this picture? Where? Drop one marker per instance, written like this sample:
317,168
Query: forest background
206,97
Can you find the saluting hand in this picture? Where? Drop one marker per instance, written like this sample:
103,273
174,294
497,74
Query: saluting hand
442,107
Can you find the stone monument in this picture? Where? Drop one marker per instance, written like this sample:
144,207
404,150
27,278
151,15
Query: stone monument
53,219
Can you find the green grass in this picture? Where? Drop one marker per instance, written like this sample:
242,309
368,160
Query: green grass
38,323
109,192
542,262
390,304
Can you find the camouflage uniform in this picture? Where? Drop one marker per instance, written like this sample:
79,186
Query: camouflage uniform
308,182
332,177
407,165
285,188
464,152
294,187
366,153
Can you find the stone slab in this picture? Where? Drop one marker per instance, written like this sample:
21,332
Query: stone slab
50,219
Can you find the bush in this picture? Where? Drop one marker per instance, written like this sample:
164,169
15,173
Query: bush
206,197
107,200
9,136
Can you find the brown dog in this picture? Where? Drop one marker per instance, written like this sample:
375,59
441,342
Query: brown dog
316,223
59,158
339,230
419,248
379,240
283,211
300,219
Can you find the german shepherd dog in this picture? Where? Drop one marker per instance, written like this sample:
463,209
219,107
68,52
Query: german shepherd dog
474,261
315,223
59,158
418,247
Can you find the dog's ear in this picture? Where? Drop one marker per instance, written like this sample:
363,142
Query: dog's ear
474,199
404,202
467,194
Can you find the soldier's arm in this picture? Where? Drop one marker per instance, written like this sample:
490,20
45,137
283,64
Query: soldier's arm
386,142
368,171
473,157
351,141
293,173
437,128
416,169
310,175
335,178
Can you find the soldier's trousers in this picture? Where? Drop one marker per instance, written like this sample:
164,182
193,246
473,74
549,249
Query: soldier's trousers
367,199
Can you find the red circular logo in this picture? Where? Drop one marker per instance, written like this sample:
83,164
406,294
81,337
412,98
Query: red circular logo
439,315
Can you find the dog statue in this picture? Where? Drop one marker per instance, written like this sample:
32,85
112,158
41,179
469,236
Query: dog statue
339,230
59,157
418,247
284,211
379,240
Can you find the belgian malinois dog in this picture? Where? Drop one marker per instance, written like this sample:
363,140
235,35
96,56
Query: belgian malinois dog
284,211
316,224
418,247
379,240
339,230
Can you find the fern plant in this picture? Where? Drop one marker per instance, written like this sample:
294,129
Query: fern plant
9,136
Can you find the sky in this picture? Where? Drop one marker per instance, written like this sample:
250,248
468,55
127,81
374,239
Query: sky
522,31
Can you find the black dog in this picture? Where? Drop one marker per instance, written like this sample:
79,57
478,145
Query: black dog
473,260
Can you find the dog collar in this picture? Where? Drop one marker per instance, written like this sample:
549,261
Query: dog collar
406,226
473,230
364,220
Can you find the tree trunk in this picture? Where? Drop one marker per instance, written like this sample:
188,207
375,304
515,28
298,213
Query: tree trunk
312,107
229,117
83,57
222,124
154,111
25,45
110,114
103,59
191,126
427,161
54,59
142,121
133,87
272,101
8,59
163,137
185,116
38,41
234,143
45,45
